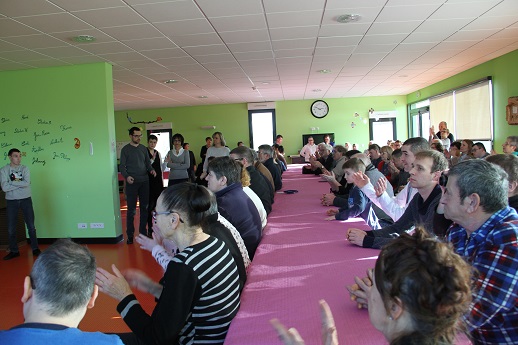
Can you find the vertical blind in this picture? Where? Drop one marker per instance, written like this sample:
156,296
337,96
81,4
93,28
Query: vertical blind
467,111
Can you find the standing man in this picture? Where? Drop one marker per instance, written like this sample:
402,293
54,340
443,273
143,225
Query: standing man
485,233
278,140
134,166
16,183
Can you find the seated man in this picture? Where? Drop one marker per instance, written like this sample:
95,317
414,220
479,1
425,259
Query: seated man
358,203
398,175
56,296
258,183
510,165
324,161
309,149
424,176
394,207
375,154
266,157
485,233
479,150
224,179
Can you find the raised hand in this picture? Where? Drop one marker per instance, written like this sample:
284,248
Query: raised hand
360,179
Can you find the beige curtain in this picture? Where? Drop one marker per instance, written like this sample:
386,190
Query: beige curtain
441,109
473,112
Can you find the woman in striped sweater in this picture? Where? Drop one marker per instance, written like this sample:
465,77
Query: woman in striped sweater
199,294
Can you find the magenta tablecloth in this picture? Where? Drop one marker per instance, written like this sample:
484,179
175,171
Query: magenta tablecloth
302,259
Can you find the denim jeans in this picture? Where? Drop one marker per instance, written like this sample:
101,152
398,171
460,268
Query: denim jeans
13,206
134,190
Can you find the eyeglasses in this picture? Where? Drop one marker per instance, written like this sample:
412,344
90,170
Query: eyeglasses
136,136
154,214
443,180
238,159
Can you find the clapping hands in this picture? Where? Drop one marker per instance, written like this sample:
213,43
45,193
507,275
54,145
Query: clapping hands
361,289
292,337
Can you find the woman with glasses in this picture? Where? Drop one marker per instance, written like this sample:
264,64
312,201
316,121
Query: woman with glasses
218,149
178,161
198,296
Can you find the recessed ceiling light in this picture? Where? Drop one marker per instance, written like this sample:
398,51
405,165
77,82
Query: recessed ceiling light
348,18
316,90
203,97
324,71
83,38
265,82
171,81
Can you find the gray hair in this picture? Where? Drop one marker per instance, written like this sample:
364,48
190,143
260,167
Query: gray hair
266,149
63,277
363,157
507,162
226,166
487,180
244,152
513,141
417,144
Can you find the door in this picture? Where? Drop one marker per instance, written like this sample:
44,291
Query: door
262,127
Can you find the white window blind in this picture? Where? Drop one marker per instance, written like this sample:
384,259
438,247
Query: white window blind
442,109
473,112
467,111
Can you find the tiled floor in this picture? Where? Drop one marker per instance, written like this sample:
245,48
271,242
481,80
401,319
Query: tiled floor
103,317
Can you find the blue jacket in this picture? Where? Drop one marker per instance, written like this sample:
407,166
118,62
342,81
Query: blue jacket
359,205
240,211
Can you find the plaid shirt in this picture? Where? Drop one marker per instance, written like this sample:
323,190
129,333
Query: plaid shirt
493,251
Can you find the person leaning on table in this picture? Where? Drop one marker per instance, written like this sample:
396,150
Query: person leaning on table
420,289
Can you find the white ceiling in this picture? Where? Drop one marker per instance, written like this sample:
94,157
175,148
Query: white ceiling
235,51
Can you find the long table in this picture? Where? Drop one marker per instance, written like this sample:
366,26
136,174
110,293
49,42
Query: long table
303,258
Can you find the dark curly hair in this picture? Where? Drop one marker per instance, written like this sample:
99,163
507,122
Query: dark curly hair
432,282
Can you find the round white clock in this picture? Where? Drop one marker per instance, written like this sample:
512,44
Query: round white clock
319,109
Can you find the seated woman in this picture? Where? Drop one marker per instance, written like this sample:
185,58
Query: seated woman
386,156
419,290
199,294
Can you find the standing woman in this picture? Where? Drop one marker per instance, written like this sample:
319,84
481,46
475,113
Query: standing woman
178,161
218,149
156,184
199,294
465,149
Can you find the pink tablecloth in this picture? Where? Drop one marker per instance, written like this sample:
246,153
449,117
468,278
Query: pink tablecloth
302,259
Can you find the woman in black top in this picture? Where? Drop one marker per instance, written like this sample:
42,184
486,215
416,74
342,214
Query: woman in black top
156,185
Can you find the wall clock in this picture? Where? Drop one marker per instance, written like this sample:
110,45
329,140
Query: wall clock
319,109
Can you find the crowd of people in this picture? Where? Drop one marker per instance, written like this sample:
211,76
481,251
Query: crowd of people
447,229
460,202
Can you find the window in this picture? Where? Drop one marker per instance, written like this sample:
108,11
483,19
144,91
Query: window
467,110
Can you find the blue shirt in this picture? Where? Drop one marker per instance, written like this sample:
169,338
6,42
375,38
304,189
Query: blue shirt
492,249
44,334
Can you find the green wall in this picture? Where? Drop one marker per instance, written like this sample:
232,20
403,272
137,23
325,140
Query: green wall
504,73
42,111
293,119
